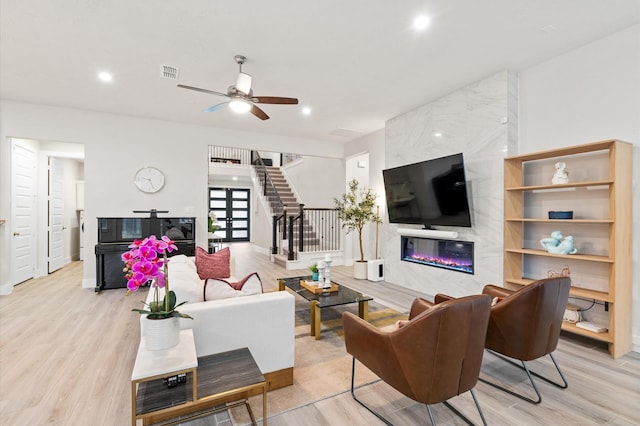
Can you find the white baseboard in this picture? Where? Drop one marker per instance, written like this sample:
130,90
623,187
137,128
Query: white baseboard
261,250
6,289
635,343
88,283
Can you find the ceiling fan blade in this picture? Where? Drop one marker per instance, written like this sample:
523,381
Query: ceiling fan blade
274,100
215,107
259,113
243,84
197,89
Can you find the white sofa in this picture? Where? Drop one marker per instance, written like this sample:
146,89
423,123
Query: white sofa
262,322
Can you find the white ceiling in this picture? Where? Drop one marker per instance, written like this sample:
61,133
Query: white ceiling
356,63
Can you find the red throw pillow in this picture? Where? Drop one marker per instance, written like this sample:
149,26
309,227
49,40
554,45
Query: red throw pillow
238,285
216,265
217,288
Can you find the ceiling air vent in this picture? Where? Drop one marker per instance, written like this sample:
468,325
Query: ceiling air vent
169,72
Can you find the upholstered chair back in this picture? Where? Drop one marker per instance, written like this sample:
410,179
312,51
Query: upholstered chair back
526,324
435,356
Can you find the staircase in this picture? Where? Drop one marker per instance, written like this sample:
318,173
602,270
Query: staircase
284,194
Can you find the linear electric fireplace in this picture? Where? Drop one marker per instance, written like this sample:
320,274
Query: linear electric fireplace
447,254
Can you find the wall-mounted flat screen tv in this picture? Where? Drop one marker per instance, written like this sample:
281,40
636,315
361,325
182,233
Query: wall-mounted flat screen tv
431,192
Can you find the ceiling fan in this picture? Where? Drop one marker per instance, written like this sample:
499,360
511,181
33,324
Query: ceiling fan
241,97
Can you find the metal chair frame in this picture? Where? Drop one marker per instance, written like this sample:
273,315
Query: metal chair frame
433,422
524,367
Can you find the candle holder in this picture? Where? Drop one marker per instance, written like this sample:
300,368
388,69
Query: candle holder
327,274
321,269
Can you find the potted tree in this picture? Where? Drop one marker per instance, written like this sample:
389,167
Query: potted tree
356,209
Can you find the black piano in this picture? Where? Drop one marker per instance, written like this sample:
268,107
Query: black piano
115,234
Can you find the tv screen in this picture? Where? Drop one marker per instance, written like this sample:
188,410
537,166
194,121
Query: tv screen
431,192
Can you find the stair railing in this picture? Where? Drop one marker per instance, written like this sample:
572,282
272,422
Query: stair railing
270,192
323,232
229,155
268,188
279,225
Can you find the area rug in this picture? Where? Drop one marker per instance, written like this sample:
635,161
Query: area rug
322,367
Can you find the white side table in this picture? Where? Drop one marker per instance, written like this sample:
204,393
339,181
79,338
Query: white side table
152,365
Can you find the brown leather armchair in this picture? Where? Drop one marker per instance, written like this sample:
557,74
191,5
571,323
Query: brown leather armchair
525,325
435,356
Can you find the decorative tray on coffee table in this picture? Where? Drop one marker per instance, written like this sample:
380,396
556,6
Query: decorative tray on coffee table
312,286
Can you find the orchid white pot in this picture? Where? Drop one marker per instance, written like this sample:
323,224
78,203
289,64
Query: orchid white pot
360,270
161,334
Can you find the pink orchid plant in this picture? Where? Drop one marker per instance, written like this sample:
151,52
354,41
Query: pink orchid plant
146,262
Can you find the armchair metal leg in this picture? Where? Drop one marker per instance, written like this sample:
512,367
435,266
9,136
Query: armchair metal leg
475,400
564,384
462,416
433,421
353,394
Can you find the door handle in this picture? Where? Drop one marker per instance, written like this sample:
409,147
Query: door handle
15,234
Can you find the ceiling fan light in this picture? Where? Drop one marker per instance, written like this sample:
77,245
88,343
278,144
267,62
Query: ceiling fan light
243,84
239,105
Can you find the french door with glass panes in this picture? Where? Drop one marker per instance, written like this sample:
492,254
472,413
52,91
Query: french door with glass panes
231,207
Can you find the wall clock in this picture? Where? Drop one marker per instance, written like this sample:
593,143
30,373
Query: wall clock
149,179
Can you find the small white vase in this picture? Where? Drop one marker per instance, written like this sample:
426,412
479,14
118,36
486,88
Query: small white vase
161,334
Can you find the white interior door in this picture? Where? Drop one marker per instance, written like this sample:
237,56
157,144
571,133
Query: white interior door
56,214
23,212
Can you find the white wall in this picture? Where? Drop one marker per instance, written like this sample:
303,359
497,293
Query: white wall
316,180
471,120
369,148
586,95
115,147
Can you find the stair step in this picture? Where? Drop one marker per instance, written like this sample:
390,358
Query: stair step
285,195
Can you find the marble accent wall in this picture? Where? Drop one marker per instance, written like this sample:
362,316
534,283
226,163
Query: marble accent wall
478,120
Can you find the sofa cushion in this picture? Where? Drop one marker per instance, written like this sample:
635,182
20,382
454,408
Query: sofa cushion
184,280
179,258
216,265
216,288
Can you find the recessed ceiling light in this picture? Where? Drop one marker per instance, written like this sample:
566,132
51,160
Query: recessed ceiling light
306,110
437,134
105,76
421,22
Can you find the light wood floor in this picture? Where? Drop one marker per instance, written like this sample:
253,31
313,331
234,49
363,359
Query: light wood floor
66,356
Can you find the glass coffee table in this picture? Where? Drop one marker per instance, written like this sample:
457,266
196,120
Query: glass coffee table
343,296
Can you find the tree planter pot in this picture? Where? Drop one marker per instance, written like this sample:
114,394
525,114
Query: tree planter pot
360,270
161,334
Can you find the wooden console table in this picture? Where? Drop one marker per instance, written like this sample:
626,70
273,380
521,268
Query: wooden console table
214,383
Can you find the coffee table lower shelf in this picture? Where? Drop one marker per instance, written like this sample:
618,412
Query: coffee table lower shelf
338,295
222,381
